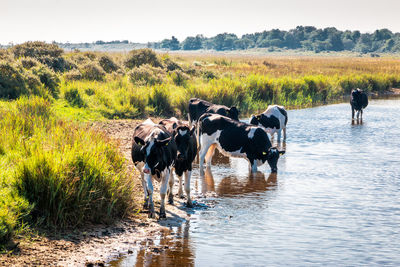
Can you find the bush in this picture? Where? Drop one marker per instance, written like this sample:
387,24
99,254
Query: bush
159,99
140,57
12,82
171,65
92,72
74,98
36,50
28,62
209,75
48,54
48,78
73,75
146,75
108,64
178,77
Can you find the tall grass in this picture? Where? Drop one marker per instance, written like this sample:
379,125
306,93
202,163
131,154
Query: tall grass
56,173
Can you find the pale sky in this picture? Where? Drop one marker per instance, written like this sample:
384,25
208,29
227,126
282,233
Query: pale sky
151,20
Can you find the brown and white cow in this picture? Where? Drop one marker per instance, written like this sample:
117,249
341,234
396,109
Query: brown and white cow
153,153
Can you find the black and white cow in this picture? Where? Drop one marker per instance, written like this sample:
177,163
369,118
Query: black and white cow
198,107
358,101
273,120
187,147
153,153
236,139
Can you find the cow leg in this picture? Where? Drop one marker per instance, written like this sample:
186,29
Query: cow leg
203,151
279,132
144,185
361,111
150,195
352,113
146,198
188,174
284,134
171,182
253,164
358,114
180,191
163,191
210,154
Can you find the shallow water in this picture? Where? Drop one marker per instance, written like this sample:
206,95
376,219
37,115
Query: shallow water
335,199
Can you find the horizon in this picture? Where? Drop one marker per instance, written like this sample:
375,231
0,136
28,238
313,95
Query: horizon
90,21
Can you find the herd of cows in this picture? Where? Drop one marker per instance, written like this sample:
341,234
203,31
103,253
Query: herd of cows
172,144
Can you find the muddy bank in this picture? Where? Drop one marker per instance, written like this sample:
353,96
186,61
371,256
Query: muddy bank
98,244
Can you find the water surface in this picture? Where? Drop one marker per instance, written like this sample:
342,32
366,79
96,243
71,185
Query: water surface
335,200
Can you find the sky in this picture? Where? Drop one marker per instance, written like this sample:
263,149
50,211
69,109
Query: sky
150,20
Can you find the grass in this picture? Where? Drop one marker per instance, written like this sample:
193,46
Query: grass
57,173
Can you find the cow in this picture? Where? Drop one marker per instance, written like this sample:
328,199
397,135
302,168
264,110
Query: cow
153,153
186,143
273,120
236,139
358,102
198,107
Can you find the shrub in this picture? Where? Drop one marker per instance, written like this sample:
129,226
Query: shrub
146,75
92,72
48,78
108,64
171,65
159,99
36,50
140,57
209,75
28,62
178,77
73,75
12,82
48,54
74,98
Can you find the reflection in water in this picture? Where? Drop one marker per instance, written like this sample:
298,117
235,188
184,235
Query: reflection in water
207,182
234,186
174,249
219,159
357,122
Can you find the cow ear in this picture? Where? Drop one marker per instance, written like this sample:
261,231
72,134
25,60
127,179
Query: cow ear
139,141
163,142
281,152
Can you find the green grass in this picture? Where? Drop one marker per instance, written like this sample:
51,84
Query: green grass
56,173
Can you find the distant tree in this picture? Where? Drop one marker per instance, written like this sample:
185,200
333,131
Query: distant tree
192,43
171,44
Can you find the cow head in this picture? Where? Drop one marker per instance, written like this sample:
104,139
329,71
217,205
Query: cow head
254,119
182,137
272,156
234,113
153,149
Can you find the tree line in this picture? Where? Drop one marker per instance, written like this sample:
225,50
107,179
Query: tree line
307,38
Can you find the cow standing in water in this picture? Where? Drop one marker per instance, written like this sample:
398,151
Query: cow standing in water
358,101
273,120
153,153
198,107
236,139
187,148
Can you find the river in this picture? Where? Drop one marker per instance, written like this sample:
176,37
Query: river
334,201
